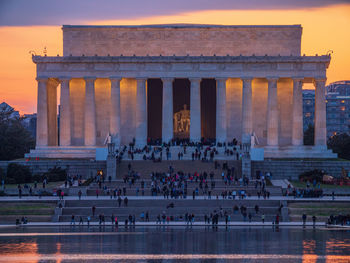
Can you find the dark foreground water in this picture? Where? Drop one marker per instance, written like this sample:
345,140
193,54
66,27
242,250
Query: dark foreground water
173,244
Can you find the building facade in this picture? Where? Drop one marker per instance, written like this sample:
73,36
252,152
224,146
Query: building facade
221,82
338,108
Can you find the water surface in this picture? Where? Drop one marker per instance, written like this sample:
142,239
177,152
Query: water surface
173,244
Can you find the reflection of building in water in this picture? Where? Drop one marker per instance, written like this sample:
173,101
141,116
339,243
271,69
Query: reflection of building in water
309,255
182,122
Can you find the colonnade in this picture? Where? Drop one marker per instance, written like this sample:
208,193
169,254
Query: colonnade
45,114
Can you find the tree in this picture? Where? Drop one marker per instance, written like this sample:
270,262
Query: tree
18,174
340,144
15,140
309,135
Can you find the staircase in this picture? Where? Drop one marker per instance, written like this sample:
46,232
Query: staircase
154,207
145,168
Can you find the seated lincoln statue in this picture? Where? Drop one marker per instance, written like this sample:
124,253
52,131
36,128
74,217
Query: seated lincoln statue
182,122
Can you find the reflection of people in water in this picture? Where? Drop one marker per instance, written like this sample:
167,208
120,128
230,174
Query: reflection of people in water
182,120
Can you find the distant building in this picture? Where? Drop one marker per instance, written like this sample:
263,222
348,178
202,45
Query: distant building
5,108
337,109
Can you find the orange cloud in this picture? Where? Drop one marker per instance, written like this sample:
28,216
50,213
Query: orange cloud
323,29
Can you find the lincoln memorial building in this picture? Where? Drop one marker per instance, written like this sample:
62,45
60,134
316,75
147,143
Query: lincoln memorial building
162,82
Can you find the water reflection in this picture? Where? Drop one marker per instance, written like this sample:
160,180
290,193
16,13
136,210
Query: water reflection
171,244
309,251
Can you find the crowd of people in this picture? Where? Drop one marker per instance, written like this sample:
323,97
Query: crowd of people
204,150
339,220
179,184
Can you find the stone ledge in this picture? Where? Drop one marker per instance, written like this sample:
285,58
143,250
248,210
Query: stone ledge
188,59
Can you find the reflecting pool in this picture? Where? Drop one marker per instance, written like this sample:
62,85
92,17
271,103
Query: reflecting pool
173,244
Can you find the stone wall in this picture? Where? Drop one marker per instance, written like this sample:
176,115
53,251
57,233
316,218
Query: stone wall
181,40
292,169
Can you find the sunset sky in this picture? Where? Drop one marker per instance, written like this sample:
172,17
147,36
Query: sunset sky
32,25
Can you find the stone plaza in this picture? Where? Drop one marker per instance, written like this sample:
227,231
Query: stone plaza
199,82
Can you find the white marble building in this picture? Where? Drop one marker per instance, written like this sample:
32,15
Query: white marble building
104,71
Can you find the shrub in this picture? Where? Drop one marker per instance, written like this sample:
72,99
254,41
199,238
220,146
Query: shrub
18,174
45,193
312,175
52,175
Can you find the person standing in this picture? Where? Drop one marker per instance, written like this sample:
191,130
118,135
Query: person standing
88,221
277,219
72,220
304,219
79,194
93,210
19,191
314,221
263,218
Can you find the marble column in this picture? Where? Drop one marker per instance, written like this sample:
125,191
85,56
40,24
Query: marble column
167,114
272,113
297,132
141,113
42,113
247,110
65,122
195,110
114,122
90,112
221,131
52,112
320,113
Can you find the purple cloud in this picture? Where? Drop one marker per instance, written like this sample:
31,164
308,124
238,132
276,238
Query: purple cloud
52,12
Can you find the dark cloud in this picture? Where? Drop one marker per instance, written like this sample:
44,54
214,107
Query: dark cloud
58,12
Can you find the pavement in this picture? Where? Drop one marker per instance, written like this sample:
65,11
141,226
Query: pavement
160,197
195,224
283,183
